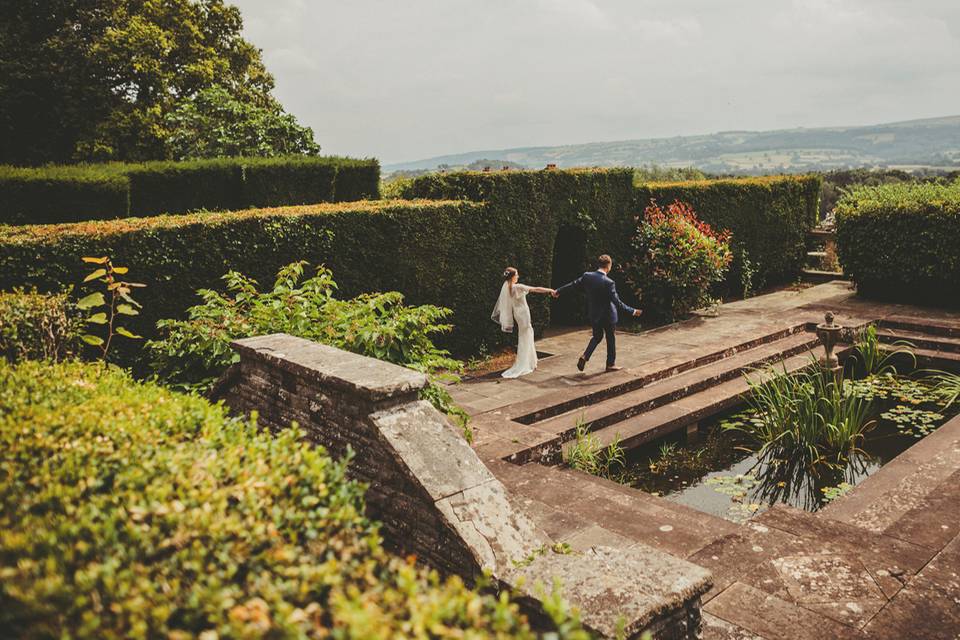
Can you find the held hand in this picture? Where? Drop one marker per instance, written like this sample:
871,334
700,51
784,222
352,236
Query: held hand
554,293
636,313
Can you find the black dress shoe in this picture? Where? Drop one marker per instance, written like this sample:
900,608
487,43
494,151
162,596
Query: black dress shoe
581,363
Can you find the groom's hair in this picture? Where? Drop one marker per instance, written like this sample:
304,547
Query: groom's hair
604,262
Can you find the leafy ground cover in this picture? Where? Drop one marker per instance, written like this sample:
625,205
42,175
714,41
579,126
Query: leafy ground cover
128,510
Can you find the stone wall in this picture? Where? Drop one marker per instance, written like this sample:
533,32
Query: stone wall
435,497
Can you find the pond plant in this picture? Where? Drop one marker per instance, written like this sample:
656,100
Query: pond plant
946,387
804,415
876,359
589,455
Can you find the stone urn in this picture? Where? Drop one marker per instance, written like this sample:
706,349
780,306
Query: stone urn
829,334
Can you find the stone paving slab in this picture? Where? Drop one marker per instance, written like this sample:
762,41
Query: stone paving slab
772,618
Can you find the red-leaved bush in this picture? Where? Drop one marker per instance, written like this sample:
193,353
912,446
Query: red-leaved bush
677,259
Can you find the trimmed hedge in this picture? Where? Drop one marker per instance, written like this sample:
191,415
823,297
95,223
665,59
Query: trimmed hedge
37,326
130,511
769,217
447,253
356,180
560,221
176,187
901,242
551,226
61,194
114,190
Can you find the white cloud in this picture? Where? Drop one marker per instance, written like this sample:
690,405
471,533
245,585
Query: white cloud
410,79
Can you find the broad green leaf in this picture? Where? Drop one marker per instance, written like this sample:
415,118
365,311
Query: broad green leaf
127,310
127,297
94,340
102,260
98,318
126,334
99,273
93,300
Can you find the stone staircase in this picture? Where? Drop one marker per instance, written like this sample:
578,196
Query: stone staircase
822,265
648,407
934,345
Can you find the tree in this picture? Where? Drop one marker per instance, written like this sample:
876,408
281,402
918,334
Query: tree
213,123
96,79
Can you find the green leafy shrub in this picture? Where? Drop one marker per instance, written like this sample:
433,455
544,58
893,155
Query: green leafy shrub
131,511
75,193
194,352
769,218
901,242
37,326
62,194
676,261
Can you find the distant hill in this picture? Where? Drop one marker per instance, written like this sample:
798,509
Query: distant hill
933,142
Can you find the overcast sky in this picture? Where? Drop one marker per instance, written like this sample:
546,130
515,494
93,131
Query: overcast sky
408,79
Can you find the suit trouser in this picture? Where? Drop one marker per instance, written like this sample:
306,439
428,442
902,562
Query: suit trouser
600,331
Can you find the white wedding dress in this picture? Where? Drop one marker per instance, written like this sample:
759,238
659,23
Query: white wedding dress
511,309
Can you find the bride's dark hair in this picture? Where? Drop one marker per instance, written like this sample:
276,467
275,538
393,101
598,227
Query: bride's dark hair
509,272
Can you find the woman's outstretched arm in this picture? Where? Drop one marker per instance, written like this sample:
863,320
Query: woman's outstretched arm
541,290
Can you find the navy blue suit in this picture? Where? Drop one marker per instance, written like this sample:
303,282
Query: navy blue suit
603,307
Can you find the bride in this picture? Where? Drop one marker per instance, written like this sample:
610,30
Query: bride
512,307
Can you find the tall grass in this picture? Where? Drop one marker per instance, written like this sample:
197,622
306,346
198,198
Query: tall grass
876,359
946,387
804,416
588,455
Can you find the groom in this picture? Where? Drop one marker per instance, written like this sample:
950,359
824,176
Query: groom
603,303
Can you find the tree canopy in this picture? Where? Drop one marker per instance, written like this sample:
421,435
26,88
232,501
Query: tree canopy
100,80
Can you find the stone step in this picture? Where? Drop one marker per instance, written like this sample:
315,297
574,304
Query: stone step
822,234
921,325
627,405
627,380
920,339
818,276
930,359
688,410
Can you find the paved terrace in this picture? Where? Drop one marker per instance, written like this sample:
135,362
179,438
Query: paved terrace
882,562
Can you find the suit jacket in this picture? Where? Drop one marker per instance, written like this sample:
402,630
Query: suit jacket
602,299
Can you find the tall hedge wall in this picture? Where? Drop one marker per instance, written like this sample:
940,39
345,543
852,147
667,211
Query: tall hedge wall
554,223
588,212
437,252
769,217
901,242
114,190
61,194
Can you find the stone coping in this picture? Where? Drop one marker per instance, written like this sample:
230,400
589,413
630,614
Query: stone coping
374,380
